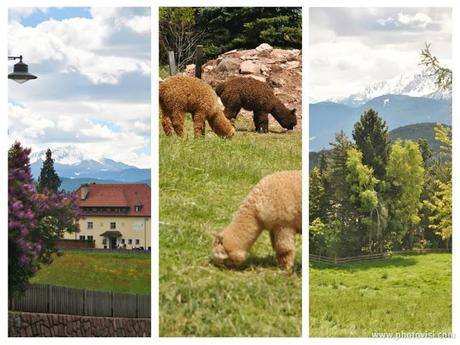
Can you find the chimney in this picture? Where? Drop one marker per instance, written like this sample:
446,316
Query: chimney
84,191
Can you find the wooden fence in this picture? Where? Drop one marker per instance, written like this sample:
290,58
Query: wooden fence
107,251
369,257
40,298
340,261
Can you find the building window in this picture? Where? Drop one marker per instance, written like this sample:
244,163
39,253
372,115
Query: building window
82,237
137,241
122,241
130,241
90,238
104,241
89,225
113,225
138,208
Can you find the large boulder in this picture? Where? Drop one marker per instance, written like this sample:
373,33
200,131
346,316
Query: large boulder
229,64
264,47
249,67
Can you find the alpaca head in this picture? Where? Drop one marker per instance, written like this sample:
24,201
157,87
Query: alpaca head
224,256
221,125
287,118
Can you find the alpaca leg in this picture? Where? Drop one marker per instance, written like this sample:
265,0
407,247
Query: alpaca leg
231,113
257,121
178,120
167,125
263,122
284,239
199,124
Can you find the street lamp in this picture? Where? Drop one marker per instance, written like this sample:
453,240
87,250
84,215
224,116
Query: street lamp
20,71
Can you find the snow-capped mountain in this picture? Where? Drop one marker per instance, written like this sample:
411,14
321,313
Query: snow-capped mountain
408,84
73,163
68,155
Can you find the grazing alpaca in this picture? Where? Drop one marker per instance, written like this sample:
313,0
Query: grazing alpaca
181,94
256,96
275,204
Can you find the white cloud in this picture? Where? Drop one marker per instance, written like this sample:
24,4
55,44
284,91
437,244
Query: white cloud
353,47
93,86
80,44
420,20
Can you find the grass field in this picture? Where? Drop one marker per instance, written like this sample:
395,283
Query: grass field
401,294
202,183
101,271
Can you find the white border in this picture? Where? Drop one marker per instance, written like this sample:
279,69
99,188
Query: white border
154,152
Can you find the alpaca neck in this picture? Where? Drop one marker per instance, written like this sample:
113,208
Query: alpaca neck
241,234
278,109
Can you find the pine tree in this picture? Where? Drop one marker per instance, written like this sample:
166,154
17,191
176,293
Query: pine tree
371,137
48,179
317,195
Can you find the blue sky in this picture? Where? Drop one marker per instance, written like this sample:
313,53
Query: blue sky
56,13
93,86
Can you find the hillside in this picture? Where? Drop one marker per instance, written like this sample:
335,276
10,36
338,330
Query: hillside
416,131
411,132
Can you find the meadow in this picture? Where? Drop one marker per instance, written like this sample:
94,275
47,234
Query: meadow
202,183
102,271
410,293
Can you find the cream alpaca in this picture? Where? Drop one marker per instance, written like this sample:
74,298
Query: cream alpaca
274,204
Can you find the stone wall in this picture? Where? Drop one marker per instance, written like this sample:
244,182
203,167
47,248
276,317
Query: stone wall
57,325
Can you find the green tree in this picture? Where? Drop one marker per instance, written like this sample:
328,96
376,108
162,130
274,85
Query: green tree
48,178
371,137
317,197
342,214
228,28
441,200
364,197
405,175
426,151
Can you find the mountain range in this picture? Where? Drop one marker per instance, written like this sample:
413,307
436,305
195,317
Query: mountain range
74,167
328,118
417,84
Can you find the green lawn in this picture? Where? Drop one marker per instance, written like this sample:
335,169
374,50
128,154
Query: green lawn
202,183
101,271
403,294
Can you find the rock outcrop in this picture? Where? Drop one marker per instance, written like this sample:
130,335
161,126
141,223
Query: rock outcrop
280,68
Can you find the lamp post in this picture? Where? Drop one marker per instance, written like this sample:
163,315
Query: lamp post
20,71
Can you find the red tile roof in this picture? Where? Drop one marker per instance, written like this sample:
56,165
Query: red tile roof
116,195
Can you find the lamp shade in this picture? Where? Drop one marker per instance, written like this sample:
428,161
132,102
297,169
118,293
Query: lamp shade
21,73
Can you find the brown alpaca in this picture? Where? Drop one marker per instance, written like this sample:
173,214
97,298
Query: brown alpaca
275,204
256,96
182,94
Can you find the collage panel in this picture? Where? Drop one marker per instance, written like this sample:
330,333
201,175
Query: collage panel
79,196
380,185
230,152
